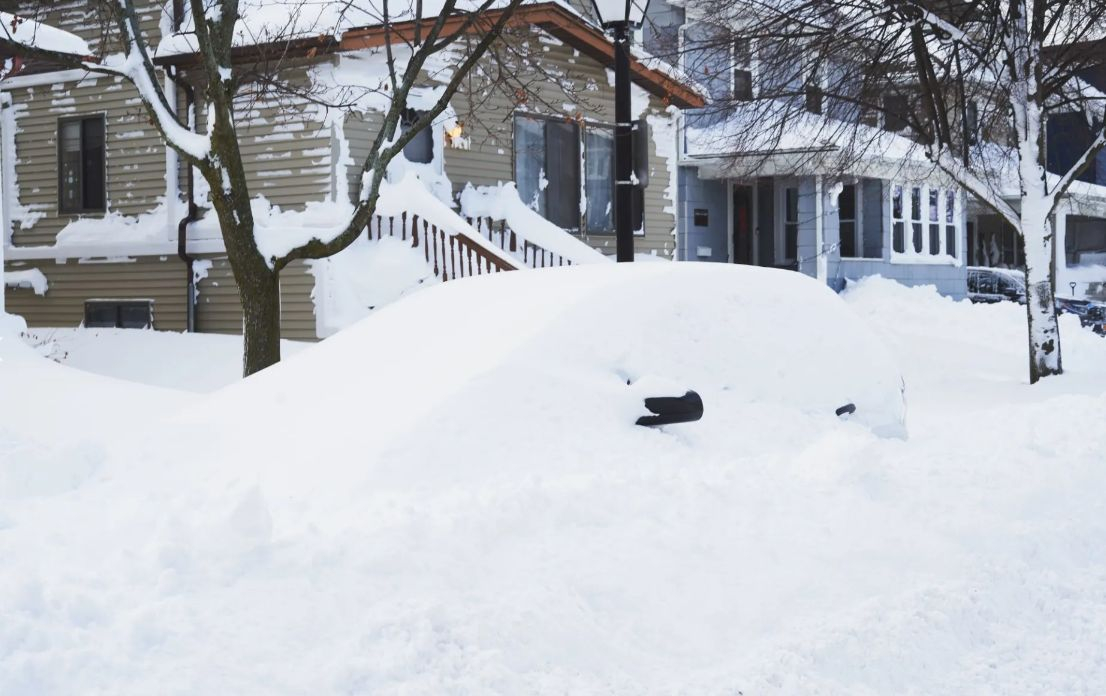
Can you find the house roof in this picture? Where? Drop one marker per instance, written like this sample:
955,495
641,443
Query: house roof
557,19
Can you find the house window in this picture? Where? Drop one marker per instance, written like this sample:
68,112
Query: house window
894,112
547,168
934,222
950,223
420,149
81,165
971,122
599,179
898,221
848,222
547,172
787,247
743,70
916,219
929,215
112,314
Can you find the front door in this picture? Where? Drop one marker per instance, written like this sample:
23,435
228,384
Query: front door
743,224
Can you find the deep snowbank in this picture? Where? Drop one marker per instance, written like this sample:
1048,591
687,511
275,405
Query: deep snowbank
488,522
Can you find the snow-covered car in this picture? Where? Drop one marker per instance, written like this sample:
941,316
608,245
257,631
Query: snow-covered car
989,285
1092,315
564,357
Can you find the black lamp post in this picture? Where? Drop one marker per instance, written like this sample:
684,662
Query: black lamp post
620,17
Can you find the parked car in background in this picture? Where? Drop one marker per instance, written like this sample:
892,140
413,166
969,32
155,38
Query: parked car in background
995,285
1091,314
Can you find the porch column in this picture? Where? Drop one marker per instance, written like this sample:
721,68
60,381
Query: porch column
821,266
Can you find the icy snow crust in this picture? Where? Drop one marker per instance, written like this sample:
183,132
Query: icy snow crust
464,508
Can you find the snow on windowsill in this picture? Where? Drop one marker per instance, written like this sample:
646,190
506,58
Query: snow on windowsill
916,259
29,278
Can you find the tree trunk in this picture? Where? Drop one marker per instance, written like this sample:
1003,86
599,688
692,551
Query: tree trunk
260,296
1044,331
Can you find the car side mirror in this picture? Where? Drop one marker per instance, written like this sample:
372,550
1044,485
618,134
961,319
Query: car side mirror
666,410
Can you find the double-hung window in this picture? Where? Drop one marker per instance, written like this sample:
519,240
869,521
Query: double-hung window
742,69
81,185
787,244
848,221
599,178
929,216
548,172
547,168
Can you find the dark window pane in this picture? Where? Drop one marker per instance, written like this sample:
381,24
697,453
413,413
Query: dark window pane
791,241
421,147
896,203
791,214
898,241
641,151
848,239
934,239
742,84
599,184
134,315
971,122
918,237
814,99
846,203
530,161
894,112
101,315
915,204
92,169
562,161
950,240
69,166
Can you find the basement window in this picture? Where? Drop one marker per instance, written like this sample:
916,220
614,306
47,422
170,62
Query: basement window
81,176
115,314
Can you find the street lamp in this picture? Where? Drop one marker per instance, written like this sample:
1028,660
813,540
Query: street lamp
619,17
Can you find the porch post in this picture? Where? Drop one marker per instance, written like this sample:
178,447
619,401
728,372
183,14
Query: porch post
821,269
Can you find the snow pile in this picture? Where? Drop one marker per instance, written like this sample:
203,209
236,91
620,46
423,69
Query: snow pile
115,229
450,497
277,232
26,32
502,202
28,278
181,361
365,276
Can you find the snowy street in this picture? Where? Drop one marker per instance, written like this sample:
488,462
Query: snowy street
434,501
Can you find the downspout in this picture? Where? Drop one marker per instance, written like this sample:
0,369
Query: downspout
193,211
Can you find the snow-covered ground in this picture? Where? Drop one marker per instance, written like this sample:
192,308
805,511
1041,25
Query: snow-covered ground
466,507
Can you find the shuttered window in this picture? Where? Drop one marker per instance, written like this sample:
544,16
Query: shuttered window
81,185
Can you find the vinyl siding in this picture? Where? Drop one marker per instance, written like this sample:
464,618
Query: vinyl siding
161,279
86,20
487,114
134,159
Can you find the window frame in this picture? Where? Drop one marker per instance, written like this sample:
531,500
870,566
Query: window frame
781,224
118,306
80,119
857,221
947,221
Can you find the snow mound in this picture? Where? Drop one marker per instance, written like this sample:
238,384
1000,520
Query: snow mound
167,359
563,351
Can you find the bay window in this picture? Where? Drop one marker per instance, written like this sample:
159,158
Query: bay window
930,215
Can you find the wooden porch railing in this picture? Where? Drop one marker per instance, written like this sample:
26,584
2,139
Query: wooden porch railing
529,253
452,255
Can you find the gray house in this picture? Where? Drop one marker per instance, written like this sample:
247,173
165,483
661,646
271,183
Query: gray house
794,199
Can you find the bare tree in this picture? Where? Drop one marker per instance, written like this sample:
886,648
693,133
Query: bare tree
971,84
213,30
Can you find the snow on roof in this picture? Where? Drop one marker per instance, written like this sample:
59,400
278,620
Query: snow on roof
266,21
26,32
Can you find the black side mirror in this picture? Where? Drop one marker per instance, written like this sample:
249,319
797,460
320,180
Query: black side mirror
673,409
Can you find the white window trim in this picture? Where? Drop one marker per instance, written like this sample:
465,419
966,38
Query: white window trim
910,256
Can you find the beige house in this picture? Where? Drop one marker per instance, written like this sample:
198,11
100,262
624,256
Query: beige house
93,202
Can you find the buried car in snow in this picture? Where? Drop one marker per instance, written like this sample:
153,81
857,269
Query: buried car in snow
572,353
989,285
